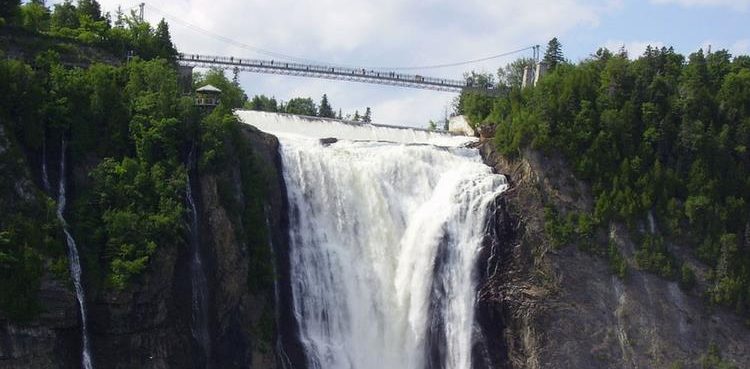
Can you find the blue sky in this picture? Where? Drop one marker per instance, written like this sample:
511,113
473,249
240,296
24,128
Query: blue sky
424,32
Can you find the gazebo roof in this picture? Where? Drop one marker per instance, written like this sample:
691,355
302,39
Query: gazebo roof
209,89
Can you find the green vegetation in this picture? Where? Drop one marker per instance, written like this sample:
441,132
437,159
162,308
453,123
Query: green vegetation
85,23
132,118
617,262
712,359
136,204
661,134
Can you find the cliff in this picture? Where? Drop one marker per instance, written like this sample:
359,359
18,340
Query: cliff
147,325
547,307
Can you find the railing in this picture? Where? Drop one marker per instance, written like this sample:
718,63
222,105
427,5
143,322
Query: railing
206,101
328,71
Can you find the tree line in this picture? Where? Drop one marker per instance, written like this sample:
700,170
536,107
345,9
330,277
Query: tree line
305,106
122,34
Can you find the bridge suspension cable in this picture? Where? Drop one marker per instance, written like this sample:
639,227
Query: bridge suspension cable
456,64
307,60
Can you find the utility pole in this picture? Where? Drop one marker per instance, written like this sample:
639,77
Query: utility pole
140,7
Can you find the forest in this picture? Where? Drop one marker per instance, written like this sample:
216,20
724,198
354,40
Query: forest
661,136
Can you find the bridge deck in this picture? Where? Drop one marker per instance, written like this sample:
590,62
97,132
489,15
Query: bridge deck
329,72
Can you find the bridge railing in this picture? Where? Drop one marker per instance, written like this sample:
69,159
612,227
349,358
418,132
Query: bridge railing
324,69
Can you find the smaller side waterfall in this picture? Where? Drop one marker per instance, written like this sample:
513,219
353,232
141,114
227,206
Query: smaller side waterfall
45,176
199,285
73,260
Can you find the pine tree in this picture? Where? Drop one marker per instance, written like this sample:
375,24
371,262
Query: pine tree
367,118
119,18
164,47
553,56
90,8
340,116
64,16
356,116
325,109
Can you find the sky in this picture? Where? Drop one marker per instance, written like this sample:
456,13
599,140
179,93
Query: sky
405,33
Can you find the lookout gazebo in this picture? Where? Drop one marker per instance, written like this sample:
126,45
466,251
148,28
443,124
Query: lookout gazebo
207,97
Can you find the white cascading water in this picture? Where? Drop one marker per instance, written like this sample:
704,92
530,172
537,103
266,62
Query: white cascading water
198,283
45,177
74,262
378,232
312,127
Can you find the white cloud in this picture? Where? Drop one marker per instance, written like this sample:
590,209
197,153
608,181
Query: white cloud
733,4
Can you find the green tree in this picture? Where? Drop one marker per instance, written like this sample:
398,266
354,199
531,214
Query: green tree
301,106
367,118
553,56
262,103
512,74
89,8
35,16
325,110
64,16
163,42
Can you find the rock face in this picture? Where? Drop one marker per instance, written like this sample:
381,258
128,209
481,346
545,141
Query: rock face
148,324
546,308
49,340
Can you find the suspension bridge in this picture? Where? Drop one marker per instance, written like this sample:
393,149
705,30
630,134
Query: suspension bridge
364,75
285,65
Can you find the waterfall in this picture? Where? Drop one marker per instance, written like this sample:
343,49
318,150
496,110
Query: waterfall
45,176
384,238
198,283
316,127
73,260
